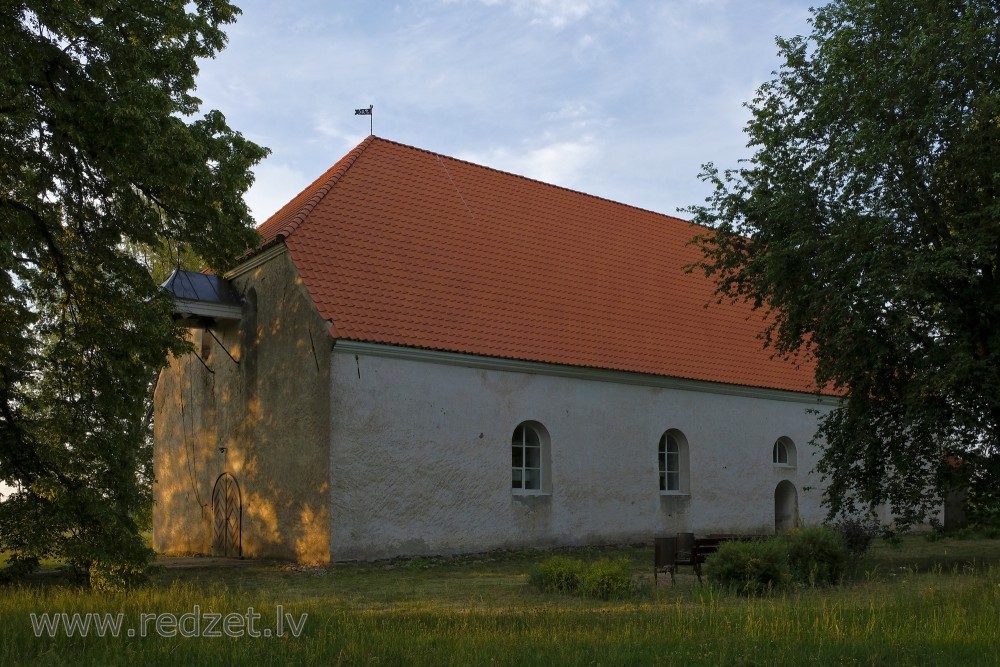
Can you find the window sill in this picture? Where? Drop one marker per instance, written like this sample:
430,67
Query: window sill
682,494
522,493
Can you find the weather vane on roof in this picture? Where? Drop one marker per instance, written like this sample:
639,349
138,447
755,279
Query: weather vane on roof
367,112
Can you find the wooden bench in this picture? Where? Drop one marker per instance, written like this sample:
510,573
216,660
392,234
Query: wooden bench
686,549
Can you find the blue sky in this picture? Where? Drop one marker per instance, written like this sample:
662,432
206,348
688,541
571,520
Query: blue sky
621,99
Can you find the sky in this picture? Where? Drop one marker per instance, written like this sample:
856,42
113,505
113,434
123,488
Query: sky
623,99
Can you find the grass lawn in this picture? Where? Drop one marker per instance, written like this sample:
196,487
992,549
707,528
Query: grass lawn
921,603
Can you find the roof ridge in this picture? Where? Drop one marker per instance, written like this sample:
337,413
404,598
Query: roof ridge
540,182
336,173
392,256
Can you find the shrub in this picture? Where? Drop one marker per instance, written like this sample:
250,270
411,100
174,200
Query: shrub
982,502
894,540
752,567
817,555
18,568
978,533
558,574
116,576
603,579
607,579
858,533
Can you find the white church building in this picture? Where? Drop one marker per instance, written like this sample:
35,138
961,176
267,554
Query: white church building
428,356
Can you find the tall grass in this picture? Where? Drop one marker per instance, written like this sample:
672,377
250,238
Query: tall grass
931,612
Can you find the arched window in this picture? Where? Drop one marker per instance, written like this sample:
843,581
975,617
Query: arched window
783,453
529,458
673,462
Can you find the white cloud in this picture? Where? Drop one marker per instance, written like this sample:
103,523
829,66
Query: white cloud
578,113
624,100
343,131
274,186
560,162
556,13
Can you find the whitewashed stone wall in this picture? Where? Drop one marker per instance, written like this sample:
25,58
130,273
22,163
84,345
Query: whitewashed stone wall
420,459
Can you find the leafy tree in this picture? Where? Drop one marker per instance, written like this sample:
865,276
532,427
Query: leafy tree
866,225
102,151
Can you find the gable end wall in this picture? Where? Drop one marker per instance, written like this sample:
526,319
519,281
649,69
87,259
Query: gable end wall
265,421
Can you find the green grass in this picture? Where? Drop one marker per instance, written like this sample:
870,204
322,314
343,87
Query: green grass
923,603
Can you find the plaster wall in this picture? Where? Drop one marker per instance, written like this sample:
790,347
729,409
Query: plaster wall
420,458
261,416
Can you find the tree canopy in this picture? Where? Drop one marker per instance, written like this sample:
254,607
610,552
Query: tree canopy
103,151
867,224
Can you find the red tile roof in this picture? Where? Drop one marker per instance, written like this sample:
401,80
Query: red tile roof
402,246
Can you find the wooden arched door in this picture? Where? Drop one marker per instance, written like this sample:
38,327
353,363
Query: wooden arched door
227,517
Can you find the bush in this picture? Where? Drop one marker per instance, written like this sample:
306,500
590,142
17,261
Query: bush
813,556
858,533
18,568
116,576
982,502
603,579
987,533
817,555
558,574
607,579
752,567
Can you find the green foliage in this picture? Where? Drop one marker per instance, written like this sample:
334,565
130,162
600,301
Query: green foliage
857,532
116,576
17,567
603,579
867,224
751,567
608,579
894,540
987,533
101,155
558,574
811,556
980,475
817,555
